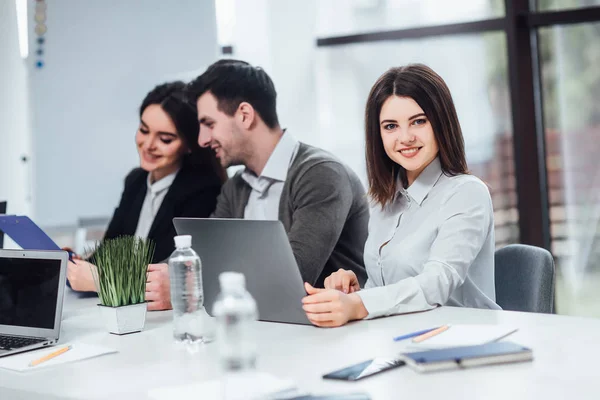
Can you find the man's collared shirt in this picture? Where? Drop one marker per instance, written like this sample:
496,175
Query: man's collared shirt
263,203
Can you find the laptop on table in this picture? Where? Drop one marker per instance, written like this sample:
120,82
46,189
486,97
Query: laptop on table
258,249
2,211
32,285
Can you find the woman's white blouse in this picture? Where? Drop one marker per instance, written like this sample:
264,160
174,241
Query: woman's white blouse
433,245
155,194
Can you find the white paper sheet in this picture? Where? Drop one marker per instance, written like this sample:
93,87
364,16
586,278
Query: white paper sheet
252,386
79,351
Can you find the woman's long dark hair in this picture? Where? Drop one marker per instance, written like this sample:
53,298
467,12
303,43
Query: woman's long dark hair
428,89
173,100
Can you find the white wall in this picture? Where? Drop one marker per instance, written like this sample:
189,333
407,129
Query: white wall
322,91
279,36
101,58
15,181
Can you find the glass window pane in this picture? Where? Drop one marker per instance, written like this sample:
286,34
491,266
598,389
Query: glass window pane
344,17
556,5
571,92
473,66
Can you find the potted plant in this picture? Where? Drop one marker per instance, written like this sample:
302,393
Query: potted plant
120,278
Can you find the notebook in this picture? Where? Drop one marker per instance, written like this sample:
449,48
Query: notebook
465,335
467,356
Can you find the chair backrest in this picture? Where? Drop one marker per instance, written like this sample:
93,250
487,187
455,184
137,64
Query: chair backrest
2,211
524,278
89,232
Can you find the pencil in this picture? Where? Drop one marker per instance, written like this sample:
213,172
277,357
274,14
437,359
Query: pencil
49,356
414,334
427,335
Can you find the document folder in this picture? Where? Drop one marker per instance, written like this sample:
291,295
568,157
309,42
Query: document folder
26,233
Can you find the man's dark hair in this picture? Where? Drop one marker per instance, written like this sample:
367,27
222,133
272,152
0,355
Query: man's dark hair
233,82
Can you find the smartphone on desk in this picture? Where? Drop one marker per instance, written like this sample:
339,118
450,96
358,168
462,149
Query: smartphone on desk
365,369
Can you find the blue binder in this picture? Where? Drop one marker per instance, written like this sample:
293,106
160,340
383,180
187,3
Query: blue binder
26,233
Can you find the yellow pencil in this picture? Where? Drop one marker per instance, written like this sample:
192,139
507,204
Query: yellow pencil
432,333
49,356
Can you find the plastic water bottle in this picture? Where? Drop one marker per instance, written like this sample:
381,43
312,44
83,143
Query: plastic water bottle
191,324
235,311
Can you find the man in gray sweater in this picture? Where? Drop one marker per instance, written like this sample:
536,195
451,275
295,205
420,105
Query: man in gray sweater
319,200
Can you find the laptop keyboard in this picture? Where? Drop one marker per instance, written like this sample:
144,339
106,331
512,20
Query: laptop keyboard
15,342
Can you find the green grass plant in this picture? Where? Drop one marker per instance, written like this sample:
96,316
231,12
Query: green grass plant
121,273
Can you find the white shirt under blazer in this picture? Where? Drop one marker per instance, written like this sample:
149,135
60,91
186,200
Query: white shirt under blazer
432,245
155,194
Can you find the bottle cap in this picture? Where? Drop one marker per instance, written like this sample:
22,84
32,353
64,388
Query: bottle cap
183,241
232,280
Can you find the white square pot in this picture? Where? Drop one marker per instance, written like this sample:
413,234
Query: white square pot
124,319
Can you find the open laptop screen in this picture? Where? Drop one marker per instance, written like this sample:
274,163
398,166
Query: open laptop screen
2,211
28,292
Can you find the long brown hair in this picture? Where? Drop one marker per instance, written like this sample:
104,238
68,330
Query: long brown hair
429,90
172,99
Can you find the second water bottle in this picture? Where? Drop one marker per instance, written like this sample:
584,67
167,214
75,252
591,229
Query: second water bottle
191,324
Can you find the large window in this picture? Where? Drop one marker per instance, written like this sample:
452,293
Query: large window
554,5
526,82
348,17
571,92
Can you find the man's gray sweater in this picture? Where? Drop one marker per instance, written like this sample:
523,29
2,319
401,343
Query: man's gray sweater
323,208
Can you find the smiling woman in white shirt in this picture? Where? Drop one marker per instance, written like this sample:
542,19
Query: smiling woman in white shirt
175,178
431,233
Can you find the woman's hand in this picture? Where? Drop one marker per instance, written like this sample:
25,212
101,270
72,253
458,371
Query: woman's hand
330,308
80,276
343,280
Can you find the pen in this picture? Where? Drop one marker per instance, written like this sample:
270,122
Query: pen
430,334
72,256
49,356
410,335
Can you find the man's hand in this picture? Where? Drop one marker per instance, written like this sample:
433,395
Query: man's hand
79,274
331,308
343,280
158,288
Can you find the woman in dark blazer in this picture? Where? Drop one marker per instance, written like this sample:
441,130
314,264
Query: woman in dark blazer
176,178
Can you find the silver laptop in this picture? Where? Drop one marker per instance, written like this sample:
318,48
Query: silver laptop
32,285
2,211
258,249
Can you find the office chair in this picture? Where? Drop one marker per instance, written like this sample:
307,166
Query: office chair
89,232
524,279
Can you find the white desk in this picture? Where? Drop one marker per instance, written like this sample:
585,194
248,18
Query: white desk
566,364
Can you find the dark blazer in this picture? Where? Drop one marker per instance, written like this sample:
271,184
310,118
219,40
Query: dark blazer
193,193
